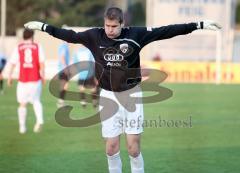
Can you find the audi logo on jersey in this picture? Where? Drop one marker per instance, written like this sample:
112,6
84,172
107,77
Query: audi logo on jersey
113,57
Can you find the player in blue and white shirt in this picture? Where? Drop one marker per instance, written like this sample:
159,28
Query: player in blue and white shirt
63,62
86,78
2,65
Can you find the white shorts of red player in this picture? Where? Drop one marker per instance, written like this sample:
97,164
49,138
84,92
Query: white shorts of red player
28,92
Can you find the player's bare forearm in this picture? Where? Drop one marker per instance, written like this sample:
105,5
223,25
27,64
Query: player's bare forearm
42,72
11,69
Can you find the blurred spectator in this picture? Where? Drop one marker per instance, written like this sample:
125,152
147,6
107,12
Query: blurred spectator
156,57
86,78
63,62
2,65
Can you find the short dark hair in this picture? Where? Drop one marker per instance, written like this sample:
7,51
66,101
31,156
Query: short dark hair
114,13
27,33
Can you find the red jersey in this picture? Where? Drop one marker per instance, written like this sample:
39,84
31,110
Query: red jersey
29,62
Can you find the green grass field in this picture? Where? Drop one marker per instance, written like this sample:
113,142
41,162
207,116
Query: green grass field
212,145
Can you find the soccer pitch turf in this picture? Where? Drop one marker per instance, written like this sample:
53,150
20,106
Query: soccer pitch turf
211,145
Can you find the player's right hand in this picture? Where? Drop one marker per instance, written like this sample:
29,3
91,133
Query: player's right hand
35,25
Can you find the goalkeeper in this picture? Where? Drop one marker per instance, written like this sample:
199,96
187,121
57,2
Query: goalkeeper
115,47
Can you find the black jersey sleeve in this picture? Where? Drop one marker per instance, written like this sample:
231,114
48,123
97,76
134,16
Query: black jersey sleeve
148,35
70,35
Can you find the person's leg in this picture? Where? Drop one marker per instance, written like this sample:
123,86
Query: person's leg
37,105
1,76
22,92
1,82
92,85
134,127
82,95
22,116
63,89
136,159
94,92
113,154
111,129
38,110
111,133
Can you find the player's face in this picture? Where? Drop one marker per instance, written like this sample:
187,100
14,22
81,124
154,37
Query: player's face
112,28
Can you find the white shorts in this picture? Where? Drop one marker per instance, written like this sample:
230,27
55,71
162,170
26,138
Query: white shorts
129,116
29,92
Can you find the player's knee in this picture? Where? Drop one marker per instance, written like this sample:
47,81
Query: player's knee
112,149
133,150
111,152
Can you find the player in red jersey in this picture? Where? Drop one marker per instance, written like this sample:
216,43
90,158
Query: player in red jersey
30,57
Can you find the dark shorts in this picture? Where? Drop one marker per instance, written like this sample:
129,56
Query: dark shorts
64,76
87,83
3,62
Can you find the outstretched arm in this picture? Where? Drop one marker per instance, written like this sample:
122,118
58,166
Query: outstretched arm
148,35
63,34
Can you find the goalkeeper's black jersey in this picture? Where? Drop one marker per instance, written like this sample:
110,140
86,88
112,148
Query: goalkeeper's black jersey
117,60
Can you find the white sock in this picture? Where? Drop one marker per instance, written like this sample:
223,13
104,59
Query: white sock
22,114
137,164
37,106
115,163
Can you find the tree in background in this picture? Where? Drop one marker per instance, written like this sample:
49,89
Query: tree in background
136,13
238,13
56,12
72,12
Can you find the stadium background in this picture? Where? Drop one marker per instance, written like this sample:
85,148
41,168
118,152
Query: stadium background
205,89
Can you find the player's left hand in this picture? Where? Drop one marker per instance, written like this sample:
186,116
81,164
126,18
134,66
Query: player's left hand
9,82
209,25
43,81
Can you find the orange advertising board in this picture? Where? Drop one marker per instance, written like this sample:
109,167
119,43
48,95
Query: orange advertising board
197,72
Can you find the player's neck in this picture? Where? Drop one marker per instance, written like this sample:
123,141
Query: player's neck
28,41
